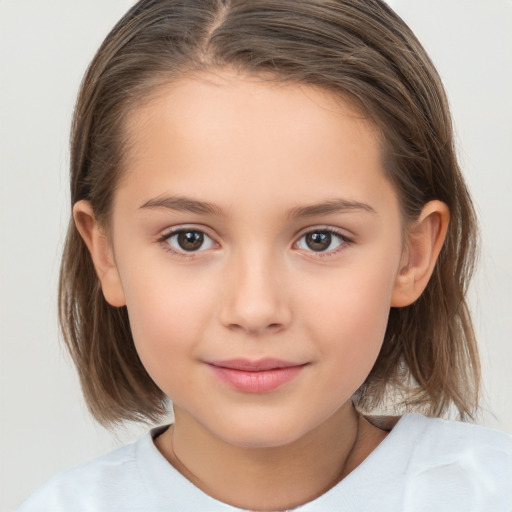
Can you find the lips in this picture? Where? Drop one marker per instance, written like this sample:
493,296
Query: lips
256,376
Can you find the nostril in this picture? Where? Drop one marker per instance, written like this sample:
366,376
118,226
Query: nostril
270,327
256,330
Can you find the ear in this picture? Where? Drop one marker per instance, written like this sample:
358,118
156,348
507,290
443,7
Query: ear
102,255
423,244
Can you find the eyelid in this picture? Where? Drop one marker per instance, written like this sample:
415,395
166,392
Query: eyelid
169,232
346,241
343,233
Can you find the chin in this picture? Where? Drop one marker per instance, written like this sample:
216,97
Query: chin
262,433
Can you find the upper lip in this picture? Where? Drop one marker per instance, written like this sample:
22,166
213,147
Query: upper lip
250,365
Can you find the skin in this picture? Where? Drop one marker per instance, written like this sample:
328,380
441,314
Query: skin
255,289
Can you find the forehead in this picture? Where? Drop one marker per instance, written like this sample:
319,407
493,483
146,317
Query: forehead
212,129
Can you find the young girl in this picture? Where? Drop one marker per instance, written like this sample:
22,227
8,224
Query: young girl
270,229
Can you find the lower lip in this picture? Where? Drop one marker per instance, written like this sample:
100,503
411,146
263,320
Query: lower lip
257,382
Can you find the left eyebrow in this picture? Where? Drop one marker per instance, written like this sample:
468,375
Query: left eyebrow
330,206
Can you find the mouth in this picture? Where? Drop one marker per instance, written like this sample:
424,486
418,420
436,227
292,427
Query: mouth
256,376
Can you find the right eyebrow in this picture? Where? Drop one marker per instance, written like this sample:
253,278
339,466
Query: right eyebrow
183,204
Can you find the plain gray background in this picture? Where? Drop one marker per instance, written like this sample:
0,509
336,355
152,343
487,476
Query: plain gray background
44,50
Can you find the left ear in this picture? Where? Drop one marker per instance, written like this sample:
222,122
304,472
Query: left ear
423,244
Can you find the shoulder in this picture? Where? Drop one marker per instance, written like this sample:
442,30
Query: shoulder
445,439
458,462
134,478
87,485
429,464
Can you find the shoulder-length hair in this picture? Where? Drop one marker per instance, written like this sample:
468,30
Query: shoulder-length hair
359,49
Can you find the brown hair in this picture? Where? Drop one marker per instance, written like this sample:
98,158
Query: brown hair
355,48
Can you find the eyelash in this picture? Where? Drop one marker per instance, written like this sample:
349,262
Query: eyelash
163,240
345,241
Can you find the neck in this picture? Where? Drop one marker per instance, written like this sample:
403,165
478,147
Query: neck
266,478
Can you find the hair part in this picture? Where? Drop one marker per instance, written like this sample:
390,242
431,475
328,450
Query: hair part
357,49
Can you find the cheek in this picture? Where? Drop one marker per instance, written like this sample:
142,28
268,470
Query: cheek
168,314
351,318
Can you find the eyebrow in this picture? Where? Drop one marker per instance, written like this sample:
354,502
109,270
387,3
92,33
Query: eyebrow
330,206
186,204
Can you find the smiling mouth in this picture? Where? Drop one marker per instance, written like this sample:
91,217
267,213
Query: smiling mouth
261,376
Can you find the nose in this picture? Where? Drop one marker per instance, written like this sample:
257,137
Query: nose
255,295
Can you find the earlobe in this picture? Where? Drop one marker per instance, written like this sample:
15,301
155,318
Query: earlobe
424,242
100,249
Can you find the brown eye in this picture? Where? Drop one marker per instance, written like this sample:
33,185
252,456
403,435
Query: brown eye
189,240
321,241
318,241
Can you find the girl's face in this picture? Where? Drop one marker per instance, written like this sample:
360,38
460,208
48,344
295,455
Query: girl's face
257,244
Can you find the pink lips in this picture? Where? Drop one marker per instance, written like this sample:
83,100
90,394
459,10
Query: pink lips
260,376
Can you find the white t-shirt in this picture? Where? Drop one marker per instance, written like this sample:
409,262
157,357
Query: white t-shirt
423,465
